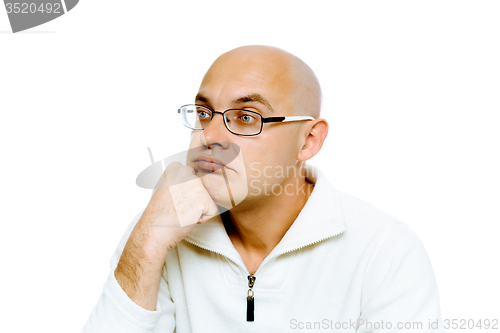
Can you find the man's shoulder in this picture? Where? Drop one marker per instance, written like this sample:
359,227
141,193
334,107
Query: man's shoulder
365,222
356,210
372,233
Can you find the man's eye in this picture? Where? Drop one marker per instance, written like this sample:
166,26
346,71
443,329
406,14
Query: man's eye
203,114
247,118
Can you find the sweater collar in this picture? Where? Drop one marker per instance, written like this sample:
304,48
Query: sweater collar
319,219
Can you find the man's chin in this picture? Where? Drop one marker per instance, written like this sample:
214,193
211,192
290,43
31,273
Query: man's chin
217,190
223,194
223,202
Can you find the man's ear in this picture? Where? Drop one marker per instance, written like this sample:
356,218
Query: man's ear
318,131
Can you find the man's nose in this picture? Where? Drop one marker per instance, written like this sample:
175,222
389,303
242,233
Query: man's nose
216,133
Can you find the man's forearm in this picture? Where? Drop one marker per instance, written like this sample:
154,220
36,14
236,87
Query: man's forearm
140,267
139,271
132,289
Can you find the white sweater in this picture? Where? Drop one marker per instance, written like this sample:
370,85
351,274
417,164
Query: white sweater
341,263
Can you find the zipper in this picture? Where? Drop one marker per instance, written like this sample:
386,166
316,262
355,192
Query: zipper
250,303
252,277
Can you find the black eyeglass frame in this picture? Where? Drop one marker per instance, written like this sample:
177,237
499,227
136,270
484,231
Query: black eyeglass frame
263,120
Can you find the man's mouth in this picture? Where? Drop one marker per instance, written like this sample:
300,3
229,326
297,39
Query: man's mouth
209,163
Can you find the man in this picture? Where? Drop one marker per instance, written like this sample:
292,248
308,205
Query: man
290,253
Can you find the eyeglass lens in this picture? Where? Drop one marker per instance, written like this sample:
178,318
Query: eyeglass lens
237,121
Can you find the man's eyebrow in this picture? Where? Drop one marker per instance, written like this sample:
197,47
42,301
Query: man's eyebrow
254,98
201,98
244,99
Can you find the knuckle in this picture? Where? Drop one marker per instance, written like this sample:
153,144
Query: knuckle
186,169
173,166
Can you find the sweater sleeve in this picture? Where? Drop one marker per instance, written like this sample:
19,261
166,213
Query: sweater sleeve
116,312
399,287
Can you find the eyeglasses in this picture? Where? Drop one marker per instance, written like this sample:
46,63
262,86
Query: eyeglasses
237,121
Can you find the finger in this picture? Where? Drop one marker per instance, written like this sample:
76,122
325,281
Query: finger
170,170
210,210
179,174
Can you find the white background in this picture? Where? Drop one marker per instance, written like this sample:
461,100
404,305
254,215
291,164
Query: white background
411,92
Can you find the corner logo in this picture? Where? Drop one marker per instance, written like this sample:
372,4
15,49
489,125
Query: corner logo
26,14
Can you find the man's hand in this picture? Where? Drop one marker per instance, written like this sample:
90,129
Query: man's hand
170,215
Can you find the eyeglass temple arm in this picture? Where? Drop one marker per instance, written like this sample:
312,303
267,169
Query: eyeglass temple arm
285,119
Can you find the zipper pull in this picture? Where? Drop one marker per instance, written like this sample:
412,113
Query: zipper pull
250,299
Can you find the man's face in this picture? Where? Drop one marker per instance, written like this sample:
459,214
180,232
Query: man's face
260,84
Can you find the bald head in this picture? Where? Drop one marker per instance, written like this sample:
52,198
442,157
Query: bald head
274,84
277,70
